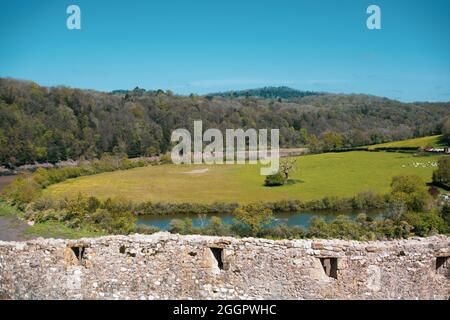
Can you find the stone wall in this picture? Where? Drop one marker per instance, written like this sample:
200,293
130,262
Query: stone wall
166,266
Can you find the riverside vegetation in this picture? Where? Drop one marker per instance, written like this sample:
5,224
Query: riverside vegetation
411,208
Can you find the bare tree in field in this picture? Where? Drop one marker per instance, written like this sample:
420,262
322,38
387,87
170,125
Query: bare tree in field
287,166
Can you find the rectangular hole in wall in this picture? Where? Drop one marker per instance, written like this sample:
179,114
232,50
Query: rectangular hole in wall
442,265
329,266
79,252
217,253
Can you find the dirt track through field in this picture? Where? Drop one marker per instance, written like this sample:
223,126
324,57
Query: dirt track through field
12,229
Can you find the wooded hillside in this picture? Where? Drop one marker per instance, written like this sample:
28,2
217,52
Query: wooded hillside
50,124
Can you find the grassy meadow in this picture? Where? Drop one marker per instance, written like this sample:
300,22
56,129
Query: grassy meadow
431,141
317,176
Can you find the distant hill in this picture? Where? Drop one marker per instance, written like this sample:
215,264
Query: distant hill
135,91
267,93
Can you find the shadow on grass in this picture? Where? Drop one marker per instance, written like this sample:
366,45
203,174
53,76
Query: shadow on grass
290,182
438,185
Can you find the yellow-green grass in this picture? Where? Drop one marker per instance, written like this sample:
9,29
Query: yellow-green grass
57,230
431,141
330,174
49,229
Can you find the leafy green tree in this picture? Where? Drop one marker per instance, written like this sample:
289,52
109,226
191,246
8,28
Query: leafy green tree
182,226
21,191
318,228
344,228
410,191
425,223
304,137
446,130
442,174
332,141
254,216
445,213
368,200
216,227
314,144
113,222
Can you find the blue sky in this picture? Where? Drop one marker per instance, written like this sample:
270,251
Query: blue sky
206,46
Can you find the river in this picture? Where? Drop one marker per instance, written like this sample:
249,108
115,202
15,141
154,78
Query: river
300,219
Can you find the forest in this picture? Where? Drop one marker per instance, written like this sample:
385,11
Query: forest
48,124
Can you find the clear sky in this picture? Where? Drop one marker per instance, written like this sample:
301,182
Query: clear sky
206,46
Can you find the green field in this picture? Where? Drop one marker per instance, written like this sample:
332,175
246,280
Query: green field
330,174
432,141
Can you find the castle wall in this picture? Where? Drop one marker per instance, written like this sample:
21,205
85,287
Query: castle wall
166,266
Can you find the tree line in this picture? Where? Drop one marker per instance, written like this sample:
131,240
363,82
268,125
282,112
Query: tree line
49,124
